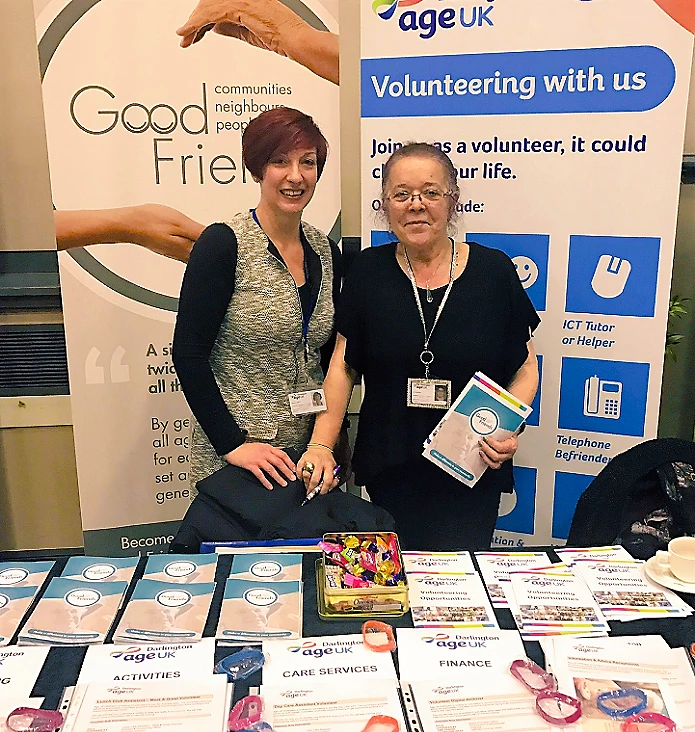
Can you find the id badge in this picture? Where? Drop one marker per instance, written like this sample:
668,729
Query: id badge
310,401
429,393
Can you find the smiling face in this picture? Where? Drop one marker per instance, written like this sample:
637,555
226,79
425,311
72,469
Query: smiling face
417,221
289,180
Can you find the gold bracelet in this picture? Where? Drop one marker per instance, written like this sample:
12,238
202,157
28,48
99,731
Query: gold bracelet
318,444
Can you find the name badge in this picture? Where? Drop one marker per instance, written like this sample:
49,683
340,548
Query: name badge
307,402
429,393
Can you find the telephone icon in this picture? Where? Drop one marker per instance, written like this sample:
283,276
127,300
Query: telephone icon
602,398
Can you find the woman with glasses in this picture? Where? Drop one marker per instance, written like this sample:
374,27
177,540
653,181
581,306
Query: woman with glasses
417,319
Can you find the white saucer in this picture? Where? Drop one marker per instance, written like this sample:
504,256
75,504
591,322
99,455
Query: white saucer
662,575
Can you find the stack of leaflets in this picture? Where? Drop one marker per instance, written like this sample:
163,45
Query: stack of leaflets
445,591
165,612
496,568
552,600
267,567
483,409
182,568
624,592
253,611
73,613
101,569
19,583
568,555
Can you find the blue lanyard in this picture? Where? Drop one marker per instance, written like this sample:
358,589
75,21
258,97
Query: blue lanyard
306,317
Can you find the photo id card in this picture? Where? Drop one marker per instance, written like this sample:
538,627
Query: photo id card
429,393
308,402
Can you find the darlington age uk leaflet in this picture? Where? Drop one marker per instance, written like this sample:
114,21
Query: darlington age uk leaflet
483,409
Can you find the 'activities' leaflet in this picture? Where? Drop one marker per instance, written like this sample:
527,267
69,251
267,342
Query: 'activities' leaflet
449,601
182,568
73,613
165,612
483,409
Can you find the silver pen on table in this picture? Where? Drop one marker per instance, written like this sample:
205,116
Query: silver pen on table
317,490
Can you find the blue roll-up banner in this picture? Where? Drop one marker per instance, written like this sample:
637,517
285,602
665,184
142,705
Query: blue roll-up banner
565,119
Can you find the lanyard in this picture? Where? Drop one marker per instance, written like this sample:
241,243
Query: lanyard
306,316
426,356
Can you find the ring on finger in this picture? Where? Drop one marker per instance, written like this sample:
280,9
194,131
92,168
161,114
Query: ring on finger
308,468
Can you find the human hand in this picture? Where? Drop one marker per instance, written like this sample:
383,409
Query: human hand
160,229
324,465
260,458
495,452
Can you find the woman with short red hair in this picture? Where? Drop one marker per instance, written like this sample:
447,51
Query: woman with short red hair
256,307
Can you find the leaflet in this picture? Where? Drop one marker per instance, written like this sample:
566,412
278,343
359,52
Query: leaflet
252,611
474,659
341,660
331,708
495,567
483,409
24,574
569,555
14,602
667,675
267,567
438,562
182,568
184,706
101,569
623,591
73,613
165,612
553,600
449,601
449,707
179,661
19,669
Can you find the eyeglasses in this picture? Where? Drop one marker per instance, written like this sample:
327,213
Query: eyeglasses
428,195
551,706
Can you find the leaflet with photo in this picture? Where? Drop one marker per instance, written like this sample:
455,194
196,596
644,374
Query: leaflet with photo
143,662
267,567
164,705
495,568
182,568
340,660
101,569
73,613
14,603
438,562
554,600
483,409
165,612
449,601
624,592
474,659
24,574
328,707
20,669
253,611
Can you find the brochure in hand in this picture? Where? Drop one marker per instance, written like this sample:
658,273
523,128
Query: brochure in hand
483,409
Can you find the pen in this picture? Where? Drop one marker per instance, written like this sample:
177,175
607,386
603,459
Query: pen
317,490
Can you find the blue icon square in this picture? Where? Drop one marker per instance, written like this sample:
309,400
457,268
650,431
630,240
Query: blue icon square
521,518
613,275
535,416
529,252
378,238
568,490
603,396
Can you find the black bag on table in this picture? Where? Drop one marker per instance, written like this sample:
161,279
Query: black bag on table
233,505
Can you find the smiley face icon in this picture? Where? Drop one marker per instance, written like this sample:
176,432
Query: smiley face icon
527,270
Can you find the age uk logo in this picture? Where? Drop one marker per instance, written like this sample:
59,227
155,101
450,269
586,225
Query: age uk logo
386,8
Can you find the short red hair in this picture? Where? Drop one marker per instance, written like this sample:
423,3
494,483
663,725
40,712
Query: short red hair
277,132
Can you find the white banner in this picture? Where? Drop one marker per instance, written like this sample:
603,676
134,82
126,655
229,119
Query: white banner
132,118
565,119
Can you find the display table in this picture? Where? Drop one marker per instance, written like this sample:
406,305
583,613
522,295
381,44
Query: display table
63,664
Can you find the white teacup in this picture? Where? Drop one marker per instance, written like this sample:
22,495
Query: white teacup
680,558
